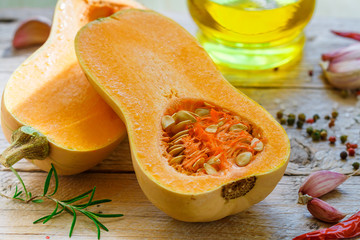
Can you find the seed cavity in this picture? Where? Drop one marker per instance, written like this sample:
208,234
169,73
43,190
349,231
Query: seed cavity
257,144
243,159
207,140
167,122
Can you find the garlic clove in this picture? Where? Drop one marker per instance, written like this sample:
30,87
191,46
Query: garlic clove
344,66
321,182
34,31
345,53
324,211
346,80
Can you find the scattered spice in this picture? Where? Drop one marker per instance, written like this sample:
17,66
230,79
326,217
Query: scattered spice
351,145
302,117
327,117
291,115
323,134
351,152
290,121
332,122
310,73
279,114
282,121
316,117
343,139
332,139
309,130
299,124
310,120
343,155
315,135
356,165
334,114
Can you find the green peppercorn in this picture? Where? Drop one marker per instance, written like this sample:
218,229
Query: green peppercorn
302,117
299,124
356,165
316,117
343,155
343,138
323,134
282,121
334,114
291,116
290,121
309,130
279,114
327,117
315,136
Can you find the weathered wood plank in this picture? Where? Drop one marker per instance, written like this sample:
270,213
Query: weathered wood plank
277,217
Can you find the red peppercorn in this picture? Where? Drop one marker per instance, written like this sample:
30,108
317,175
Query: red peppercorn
310,120
351,152
351,145
310,73
332,139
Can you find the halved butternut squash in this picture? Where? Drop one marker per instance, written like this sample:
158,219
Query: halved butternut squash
201,149
50,93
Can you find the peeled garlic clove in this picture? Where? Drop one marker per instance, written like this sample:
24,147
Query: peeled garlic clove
345,53
324,211
344,66
34,31
320,183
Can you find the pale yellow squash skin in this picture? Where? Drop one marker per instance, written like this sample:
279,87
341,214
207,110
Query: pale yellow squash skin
50,93
148,62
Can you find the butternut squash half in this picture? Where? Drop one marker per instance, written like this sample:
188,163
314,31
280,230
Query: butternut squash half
201,149
50,93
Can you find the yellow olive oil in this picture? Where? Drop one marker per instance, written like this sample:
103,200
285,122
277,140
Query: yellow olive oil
252,34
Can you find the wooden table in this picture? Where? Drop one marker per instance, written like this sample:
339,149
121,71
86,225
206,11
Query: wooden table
277,217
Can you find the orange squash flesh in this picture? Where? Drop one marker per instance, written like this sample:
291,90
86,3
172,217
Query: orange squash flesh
50,92
145,65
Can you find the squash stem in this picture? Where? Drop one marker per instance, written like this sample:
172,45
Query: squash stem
26,142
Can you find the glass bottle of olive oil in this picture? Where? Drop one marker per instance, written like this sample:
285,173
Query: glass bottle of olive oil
252,34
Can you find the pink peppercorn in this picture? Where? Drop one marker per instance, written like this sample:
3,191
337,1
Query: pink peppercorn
332,139
351,152
310,120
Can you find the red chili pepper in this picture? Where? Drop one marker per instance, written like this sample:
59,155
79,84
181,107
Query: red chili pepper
352,35
345,229
310,120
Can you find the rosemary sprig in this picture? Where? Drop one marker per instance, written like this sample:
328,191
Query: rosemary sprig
63,205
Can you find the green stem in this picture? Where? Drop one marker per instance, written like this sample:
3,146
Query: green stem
26,142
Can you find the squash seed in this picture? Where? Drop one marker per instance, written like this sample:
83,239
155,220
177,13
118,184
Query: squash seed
177,159
243,159
174,152
179,134
167,122
211,129
174,146
214,160
177,140
202,111
238,127
257,144
210,169
208,105
220,123
183,115
180,126
199,162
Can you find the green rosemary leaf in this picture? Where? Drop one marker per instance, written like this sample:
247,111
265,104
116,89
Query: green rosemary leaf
56,180
73,222
20,199
91,196
30,195
93,217
21,181
40,219
16,192
47,181
95,221
37,201
52,214
81,196
82,206
107,215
